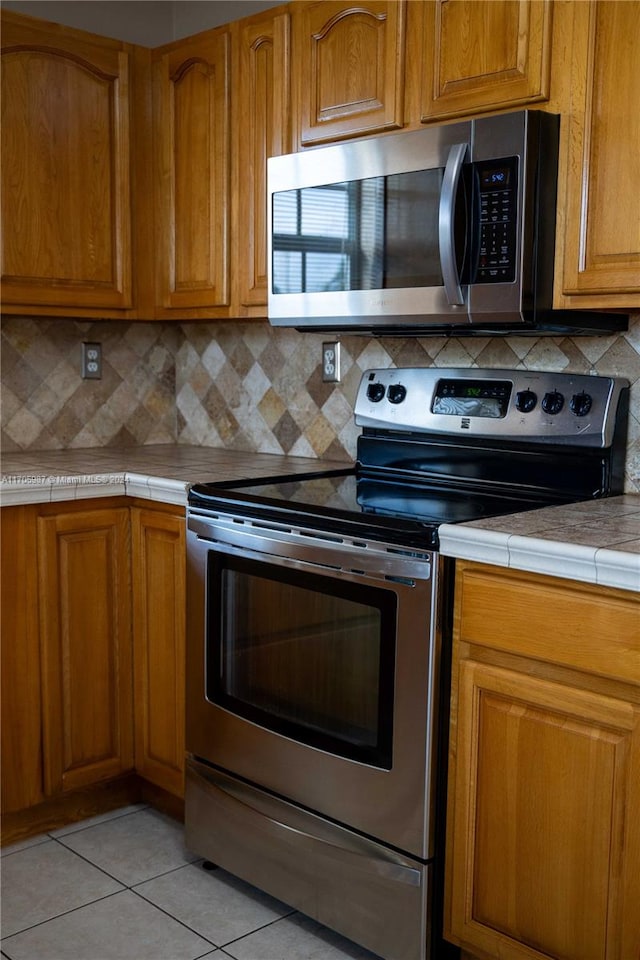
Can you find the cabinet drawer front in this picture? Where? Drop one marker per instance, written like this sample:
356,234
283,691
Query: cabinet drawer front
591,629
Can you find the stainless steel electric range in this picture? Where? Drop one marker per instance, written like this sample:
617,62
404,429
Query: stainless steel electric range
319,637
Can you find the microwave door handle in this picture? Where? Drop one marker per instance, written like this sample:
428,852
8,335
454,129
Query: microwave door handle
446,217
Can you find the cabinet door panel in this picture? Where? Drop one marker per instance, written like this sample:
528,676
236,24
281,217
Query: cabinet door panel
158,549
602,252
484,56
262,130
21,766
192,172
65,177
85,628
349,68
543,844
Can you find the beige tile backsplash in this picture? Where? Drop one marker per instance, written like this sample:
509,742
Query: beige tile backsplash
242,385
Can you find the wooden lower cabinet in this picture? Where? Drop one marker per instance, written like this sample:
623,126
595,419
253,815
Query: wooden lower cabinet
158,554
21,713
93,610
543,846
85,636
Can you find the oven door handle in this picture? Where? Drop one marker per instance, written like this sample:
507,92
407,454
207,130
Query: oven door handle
312,550
385,863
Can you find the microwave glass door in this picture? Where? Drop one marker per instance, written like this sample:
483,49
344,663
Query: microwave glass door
304,655
371,234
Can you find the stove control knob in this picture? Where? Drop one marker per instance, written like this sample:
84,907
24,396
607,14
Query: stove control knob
396,393
526,401
375,392
581,404
552,402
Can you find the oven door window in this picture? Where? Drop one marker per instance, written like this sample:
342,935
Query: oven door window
308,656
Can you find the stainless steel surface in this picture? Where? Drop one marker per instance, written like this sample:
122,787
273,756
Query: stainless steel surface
371,559
361,159
446,223
296,780
399,808
595,429
442,304
310,863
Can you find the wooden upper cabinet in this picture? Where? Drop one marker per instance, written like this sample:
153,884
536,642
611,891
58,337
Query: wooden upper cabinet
192,164
348,68
484,56
262,129
66,205
602,201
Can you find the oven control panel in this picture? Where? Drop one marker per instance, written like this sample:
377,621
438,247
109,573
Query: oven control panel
512,404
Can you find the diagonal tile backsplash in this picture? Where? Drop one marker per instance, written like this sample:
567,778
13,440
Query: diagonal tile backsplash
243,385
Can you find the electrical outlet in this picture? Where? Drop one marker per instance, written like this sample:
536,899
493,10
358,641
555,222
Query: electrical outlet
91,361
331,362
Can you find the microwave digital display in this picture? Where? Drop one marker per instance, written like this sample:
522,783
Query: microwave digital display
493,178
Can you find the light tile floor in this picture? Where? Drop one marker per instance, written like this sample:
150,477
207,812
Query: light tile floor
124,887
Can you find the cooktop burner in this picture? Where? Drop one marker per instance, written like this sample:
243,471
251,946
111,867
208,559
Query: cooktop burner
380,509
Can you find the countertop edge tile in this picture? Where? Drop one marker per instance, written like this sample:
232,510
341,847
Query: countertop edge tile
20,495
615,568
471,543
572,561
137,485
165,490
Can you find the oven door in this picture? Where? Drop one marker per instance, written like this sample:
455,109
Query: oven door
312,671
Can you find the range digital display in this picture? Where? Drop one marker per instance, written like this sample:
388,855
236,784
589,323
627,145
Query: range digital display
472,398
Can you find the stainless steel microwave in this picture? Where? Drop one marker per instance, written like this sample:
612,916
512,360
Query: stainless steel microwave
447,229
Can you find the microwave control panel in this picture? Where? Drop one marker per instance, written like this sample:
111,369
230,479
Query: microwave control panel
496,204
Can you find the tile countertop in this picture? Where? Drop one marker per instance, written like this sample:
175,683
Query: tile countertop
160,472
596,541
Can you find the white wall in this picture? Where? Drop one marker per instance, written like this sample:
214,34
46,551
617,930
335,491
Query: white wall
147,22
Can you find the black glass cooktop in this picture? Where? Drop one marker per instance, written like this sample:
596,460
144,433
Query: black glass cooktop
348,502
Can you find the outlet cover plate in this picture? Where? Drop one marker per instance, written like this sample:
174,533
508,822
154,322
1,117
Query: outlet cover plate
331,362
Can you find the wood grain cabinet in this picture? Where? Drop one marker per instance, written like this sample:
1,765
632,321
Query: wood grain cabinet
600,195
66,200
482,56
93,634
158,560
261,129
543,853
85,636
191,138
348,68
20,706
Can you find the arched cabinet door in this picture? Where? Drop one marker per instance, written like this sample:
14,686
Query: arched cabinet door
191,157
349,68
65,168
